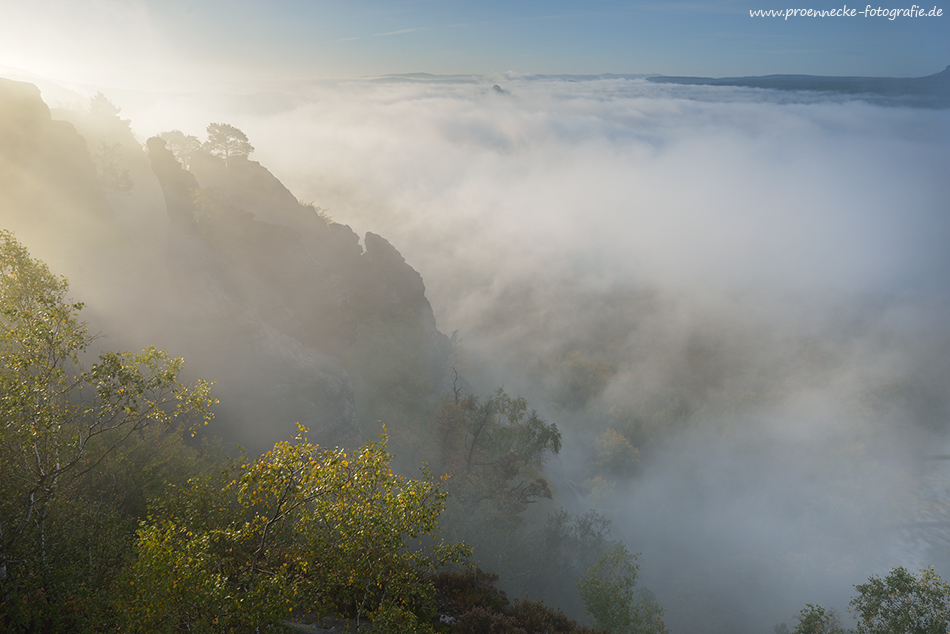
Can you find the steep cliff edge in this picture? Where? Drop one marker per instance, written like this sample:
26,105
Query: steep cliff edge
48,183
258,292
261,270
43,163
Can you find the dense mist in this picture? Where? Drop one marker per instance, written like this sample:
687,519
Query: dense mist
750,286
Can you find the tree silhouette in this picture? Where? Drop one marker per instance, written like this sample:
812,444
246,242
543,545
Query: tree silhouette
182,145
100,105
226,141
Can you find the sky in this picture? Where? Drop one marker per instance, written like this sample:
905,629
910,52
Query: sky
178,44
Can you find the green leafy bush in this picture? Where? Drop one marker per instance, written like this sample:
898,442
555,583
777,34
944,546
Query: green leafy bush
298,528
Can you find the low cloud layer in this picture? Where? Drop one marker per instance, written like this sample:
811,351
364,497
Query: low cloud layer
694,187
752,284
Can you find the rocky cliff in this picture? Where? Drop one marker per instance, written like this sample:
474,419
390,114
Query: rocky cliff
282,309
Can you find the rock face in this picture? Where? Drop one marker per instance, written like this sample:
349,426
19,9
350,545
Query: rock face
257,292
177,185
42,159
284,292
48,182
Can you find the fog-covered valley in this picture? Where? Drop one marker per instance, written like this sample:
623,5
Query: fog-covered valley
732,302
749,285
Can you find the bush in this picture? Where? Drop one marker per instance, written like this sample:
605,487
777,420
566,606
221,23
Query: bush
298,527
902,603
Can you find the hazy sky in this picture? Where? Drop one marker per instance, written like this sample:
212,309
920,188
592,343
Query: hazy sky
182,44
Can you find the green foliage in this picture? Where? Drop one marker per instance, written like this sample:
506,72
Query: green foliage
607,589
354,520
902,603
814,619
194,580
62,429
226,141
299,526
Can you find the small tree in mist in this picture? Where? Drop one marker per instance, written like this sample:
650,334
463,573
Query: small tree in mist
226,141
484,433
182,145
553,557
607,589
106,114
107,157
100,105
496,449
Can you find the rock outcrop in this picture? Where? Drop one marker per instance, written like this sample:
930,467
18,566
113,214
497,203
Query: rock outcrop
268,277
43,163
223,266
48,182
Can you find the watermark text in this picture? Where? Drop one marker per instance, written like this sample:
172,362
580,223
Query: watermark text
869,11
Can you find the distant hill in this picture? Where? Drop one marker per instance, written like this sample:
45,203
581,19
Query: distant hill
932,91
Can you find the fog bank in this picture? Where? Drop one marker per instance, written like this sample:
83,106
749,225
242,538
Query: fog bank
751,286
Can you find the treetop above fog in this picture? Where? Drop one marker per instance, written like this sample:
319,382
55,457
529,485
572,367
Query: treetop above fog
227,142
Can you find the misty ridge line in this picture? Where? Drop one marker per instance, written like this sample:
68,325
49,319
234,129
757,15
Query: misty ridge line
932,91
